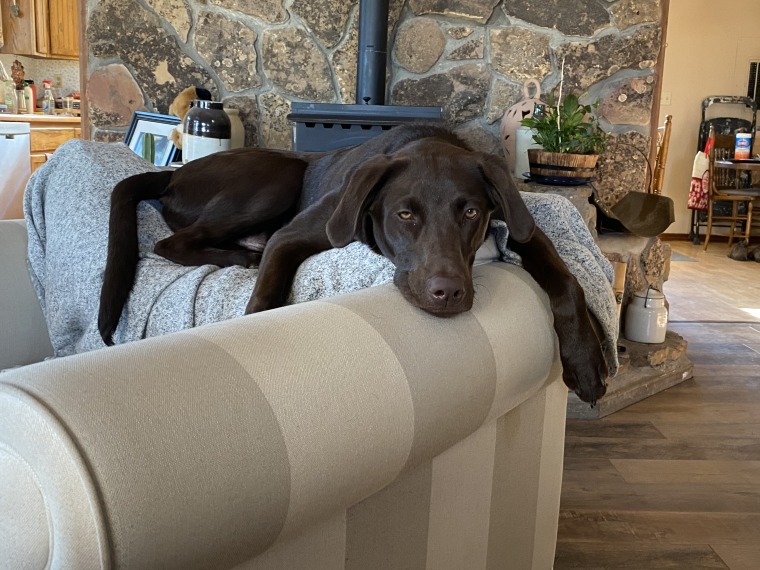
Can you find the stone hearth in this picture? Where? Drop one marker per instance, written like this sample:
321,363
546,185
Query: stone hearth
645,369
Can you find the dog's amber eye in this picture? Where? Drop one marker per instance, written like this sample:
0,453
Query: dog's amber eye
405,215
471,213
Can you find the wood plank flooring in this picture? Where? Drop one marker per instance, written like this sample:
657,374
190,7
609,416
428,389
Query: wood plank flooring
674,480
713,287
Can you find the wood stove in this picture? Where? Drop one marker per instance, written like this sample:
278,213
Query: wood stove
326,126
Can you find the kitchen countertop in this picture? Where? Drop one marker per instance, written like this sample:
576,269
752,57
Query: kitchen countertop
39,118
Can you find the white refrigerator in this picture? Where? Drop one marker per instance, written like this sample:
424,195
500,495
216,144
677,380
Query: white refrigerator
14,168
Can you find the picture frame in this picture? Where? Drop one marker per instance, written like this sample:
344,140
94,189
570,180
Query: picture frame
158,125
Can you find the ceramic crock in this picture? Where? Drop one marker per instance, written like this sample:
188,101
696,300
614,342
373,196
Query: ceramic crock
237,131
205,130
646,319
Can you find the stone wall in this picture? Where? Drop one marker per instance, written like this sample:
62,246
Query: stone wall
469,56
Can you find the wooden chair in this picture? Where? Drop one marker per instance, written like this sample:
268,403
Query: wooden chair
726,186
663,141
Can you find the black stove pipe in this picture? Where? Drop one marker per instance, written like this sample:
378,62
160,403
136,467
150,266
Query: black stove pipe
373,52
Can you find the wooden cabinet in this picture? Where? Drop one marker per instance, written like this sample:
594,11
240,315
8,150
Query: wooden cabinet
63,28
43,28
45,139
47,133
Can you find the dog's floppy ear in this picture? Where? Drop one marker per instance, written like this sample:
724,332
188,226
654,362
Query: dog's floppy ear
505,194
345,222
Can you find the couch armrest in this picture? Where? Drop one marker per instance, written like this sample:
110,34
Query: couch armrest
23,333
203,448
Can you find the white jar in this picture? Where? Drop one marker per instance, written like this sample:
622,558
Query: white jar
205,130
646,319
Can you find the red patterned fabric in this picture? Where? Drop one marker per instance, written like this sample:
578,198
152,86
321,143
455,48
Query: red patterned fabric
700,183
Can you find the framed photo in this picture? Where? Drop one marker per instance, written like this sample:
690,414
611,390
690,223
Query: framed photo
159,126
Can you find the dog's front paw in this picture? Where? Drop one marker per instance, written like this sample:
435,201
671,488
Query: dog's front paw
584,366
585,373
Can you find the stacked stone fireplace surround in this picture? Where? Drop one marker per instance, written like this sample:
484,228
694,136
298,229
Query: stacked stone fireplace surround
471,57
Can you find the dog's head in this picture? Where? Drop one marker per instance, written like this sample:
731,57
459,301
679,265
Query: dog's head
427,209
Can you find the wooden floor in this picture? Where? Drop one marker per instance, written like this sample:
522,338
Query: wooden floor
674,480
713,287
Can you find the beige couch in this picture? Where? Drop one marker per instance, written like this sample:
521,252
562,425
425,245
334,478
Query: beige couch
355,432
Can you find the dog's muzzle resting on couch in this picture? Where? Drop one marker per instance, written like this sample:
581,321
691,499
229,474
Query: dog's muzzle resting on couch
415,194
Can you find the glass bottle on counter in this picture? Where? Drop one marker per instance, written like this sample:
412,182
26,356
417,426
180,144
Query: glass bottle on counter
7,97
8,102
48,101
20,102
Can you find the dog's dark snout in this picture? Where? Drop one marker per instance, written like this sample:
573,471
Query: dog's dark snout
445,290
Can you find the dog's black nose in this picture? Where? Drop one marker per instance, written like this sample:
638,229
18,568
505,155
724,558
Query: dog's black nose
445,290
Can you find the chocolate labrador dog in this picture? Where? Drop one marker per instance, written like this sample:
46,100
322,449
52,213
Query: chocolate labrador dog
415,194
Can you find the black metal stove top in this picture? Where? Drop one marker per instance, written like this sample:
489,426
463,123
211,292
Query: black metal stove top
324,126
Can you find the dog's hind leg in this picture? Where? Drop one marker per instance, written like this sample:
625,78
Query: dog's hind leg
218,236
215,231
207,243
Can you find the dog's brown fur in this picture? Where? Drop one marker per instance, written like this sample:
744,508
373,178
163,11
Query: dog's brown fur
415,194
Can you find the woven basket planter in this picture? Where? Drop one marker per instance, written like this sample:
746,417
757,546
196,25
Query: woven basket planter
562,167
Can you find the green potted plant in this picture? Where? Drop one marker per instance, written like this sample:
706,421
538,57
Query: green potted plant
571,140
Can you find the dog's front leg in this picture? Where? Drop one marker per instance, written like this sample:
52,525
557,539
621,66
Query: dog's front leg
584,367
288,247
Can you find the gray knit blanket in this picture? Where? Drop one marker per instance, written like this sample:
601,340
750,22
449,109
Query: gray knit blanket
66,207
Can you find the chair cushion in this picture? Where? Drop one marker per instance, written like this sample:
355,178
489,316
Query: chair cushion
738,193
